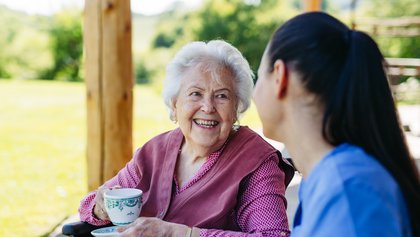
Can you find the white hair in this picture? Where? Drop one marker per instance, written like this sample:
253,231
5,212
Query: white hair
212,57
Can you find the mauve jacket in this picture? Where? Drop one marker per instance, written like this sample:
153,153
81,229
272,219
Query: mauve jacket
209,203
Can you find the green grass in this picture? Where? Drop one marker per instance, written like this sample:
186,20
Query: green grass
42,172
42,149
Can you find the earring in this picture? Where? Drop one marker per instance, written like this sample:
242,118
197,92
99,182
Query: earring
172,117
236,124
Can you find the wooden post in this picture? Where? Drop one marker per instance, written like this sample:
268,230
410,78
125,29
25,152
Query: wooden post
109,81
311,5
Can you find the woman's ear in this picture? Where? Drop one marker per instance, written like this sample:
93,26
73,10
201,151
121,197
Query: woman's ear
173,111
281,76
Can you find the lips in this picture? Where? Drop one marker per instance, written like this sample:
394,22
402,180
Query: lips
206,123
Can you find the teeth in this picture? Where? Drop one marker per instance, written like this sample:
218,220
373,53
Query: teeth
206,123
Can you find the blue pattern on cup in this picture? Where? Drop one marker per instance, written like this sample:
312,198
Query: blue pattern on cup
120,203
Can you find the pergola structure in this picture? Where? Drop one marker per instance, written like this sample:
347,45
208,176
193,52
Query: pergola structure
109,81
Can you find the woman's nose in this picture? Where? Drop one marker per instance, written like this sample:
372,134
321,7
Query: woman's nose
208,105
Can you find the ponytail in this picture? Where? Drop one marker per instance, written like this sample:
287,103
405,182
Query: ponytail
360,97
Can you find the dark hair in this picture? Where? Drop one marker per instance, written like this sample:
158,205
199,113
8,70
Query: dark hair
345,70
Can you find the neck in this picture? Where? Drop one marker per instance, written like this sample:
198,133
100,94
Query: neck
304,141
194,153
189,162
197,153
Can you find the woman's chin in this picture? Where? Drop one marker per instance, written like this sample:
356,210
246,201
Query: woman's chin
269,133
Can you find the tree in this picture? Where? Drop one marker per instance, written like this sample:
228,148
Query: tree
239,22
163,40
142,73
246,24
24,45
67,46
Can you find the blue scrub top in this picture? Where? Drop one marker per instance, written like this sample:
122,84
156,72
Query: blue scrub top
349,193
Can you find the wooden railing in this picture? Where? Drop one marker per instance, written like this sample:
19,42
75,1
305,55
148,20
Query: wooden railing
398,67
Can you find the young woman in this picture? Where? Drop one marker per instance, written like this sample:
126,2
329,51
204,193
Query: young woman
322,90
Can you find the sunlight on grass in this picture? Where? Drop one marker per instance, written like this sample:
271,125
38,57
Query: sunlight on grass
42,149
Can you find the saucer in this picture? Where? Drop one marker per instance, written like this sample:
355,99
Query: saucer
105,232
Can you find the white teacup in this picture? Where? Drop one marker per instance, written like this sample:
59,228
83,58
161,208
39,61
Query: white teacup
123,205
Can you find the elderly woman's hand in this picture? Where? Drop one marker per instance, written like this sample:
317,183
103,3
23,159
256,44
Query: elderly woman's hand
99,210
154,227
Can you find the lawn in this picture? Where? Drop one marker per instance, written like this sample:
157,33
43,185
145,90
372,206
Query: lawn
42,149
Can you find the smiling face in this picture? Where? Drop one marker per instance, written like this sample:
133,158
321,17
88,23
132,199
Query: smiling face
205,108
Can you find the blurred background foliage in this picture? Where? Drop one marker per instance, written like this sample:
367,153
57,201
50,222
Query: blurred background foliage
398,47
51,48
66,45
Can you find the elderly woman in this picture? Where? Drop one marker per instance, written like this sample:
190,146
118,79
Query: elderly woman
208,177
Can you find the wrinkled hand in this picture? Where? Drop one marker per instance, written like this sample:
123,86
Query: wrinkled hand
99,210
153,227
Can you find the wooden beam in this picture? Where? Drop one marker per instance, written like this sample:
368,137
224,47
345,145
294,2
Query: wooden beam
93,68
391,22
311,5
407,62
109,82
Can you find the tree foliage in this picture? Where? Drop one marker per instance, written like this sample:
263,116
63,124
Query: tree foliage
142,73
24,45
67,46
163,40
46,47
246,24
